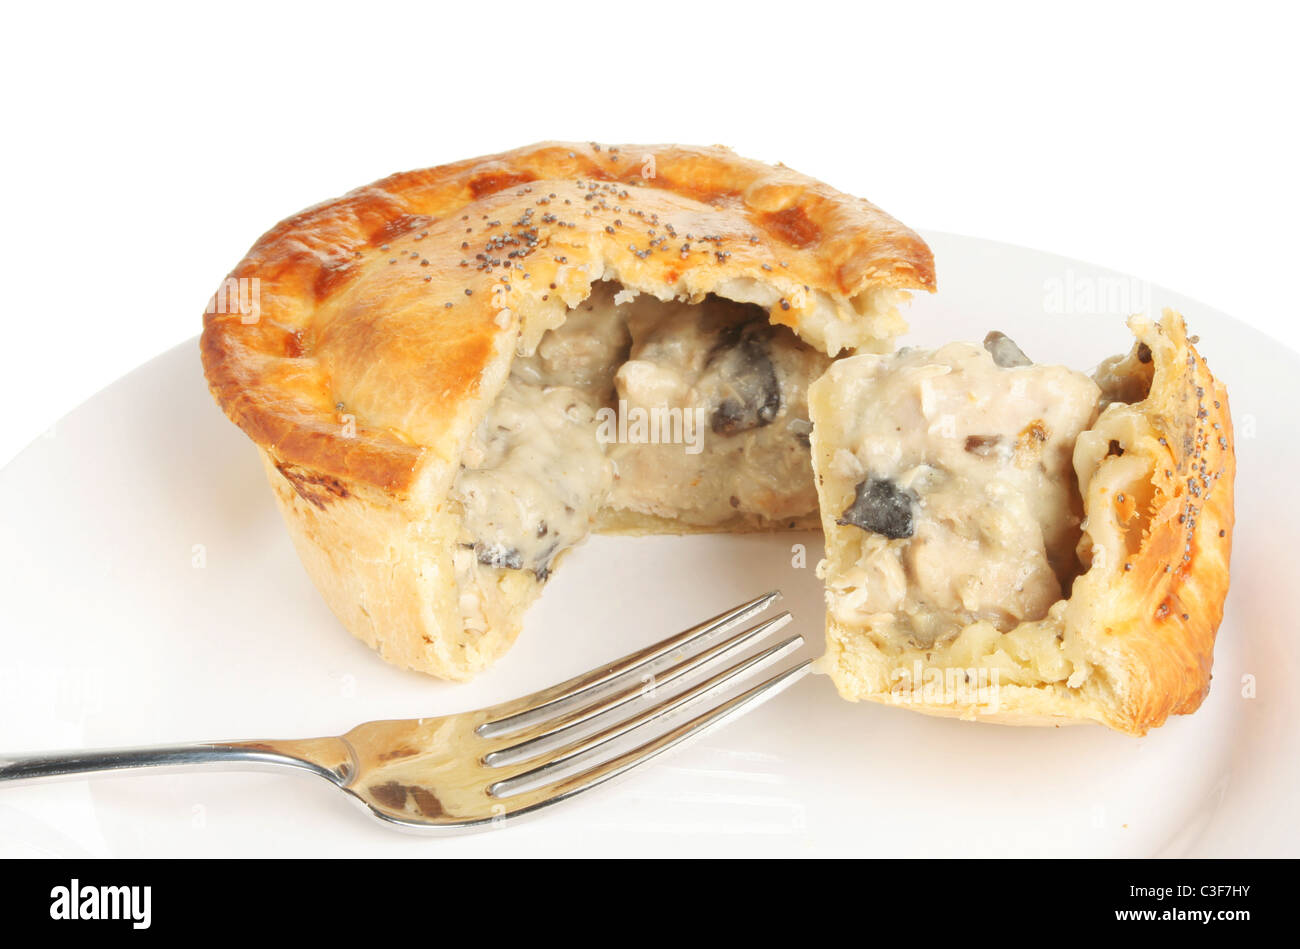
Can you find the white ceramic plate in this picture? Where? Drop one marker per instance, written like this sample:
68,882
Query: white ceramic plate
151,595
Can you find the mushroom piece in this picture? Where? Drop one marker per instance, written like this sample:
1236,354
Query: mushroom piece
1004,351
882,507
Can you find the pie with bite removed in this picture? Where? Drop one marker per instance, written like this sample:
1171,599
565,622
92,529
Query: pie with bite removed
455,375
433,356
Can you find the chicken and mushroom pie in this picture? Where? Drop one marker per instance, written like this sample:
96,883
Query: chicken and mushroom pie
454,375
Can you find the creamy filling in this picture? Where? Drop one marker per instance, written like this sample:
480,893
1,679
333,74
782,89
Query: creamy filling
534,477
694,413
740,384
958,477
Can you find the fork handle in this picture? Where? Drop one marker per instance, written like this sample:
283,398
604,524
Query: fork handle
316,756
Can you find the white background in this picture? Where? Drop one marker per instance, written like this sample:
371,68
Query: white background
147,147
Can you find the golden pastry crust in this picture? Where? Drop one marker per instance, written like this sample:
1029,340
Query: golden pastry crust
1152,618
385,322
1134,641
388,301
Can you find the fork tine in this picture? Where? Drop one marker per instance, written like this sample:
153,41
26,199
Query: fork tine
590,746
557,699
696,727
556,732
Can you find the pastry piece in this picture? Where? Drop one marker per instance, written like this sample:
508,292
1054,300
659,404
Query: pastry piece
453,375
1022,543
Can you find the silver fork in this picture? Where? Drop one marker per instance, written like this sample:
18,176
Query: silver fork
473,770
